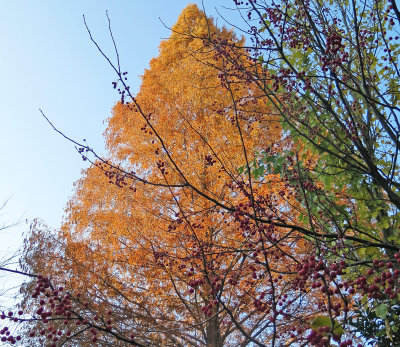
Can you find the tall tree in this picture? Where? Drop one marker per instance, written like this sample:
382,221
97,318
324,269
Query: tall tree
167,241
331,71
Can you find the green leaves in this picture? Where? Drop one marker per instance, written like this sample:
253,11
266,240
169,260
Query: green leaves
381,311
325,321
266,164
258,172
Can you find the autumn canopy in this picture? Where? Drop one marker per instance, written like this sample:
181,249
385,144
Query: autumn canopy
249,196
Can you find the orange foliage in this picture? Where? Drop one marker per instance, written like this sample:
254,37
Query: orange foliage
181,259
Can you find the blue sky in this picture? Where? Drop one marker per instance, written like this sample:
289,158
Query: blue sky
47,61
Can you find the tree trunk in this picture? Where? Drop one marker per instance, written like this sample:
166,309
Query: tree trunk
213,333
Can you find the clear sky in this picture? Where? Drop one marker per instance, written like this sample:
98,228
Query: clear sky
47,61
